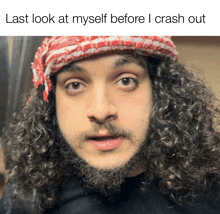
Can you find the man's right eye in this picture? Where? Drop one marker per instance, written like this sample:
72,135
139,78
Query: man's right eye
75,87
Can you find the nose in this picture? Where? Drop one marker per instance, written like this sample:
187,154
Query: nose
101,107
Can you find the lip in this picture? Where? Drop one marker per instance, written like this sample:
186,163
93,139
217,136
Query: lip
106,142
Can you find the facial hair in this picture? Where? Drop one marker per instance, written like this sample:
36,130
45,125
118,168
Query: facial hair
105,181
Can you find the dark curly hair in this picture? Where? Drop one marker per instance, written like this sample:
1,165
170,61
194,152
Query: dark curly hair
183,143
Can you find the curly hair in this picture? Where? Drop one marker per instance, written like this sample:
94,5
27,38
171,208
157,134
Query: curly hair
183,144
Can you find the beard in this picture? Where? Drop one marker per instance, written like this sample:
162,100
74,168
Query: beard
105,181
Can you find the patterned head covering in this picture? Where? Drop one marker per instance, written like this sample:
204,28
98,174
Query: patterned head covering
57,52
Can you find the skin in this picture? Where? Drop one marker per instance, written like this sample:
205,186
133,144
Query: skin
100,90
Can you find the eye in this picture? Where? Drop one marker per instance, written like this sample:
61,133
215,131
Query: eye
128,83
74,87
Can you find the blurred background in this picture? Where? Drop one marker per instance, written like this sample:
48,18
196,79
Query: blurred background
200,54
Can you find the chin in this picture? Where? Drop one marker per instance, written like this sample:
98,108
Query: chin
111,161
108,166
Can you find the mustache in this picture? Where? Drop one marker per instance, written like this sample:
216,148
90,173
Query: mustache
108,126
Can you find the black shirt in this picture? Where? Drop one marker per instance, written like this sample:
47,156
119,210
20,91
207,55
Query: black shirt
132,200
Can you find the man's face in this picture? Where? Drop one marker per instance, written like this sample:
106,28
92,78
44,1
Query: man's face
103,108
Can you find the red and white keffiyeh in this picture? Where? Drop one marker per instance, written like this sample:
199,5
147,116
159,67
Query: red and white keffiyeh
57,52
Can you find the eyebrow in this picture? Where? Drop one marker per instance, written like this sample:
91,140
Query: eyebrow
72,67
127,59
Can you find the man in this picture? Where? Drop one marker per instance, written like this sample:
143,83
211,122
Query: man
115,125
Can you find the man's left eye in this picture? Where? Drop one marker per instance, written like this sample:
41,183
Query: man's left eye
128,81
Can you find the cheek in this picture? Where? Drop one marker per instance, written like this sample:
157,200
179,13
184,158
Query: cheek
63,108
68,114
135,113
137,107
